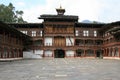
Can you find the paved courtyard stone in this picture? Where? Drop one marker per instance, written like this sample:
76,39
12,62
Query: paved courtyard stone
61,69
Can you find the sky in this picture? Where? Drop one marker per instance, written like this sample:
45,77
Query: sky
94,10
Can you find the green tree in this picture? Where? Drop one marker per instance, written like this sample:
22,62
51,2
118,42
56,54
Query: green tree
9,14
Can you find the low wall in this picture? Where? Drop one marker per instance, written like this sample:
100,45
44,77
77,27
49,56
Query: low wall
31,54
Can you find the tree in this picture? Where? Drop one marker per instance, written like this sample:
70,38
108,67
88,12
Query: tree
9,14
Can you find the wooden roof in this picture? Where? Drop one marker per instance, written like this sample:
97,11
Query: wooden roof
58,17
110,26
89,25
13,31
26,25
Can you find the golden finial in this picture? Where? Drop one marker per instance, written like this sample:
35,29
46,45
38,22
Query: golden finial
60,7
60,11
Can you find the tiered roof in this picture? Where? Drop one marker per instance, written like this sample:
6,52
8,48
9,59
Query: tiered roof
26,25
59,17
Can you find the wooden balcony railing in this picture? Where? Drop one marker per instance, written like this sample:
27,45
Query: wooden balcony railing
110,43
89,37
82,46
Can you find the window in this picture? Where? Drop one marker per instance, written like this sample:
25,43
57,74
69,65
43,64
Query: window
33,33
85,33
76,32
24,32
41,33
95,33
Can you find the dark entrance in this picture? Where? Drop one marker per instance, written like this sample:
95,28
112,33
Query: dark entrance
59,53
98,54
78,54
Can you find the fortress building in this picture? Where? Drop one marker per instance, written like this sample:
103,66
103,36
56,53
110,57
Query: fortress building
62,36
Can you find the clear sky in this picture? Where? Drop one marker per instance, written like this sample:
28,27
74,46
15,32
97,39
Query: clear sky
94,10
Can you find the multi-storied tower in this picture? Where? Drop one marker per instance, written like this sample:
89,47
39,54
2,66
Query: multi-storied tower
59,34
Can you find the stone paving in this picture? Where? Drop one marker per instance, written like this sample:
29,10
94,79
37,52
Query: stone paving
61,69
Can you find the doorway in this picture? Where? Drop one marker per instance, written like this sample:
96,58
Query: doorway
79,53
98,54
59,53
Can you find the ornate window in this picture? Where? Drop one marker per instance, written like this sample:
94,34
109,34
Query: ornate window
33,33
41,33
76,33
85,33
95,33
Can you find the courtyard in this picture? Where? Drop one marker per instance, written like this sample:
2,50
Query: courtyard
60,69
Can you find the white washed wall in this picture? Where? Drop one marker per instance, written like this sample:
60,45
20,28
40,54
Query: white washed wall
38,52
30,54
68,41
70,53
48,41
48,53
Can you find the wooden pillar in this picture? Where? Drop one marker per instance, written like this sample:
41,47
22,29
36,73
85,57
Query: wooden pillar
84,53
17,53
94,42
1,52
43,54
13,53
113,52
74,42
52,41
7,53
109,52
74,53
4,37
104,52
94,53
84,42
10,53
21,53
65,54
119,52
53,53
